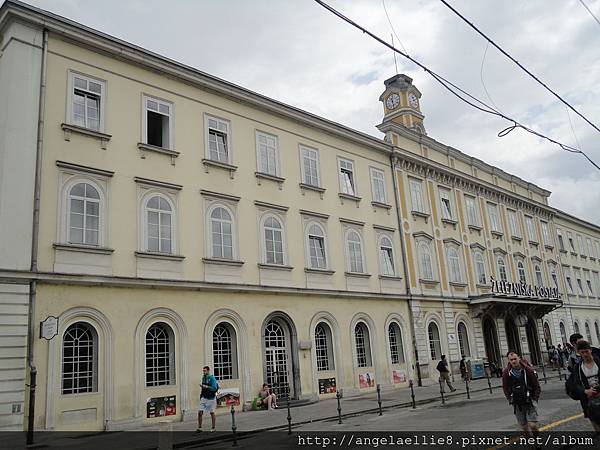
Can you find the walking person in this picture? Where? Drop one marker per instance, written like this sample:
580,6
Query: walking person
464,374
442,368
521,389
561,356
584,383
208,398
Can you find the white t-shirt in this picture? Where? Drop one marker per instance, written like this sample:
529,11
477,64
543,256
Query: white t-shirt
591,373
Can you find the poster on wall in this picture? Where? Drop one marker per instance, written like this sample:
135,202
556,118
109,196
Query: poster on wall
366,380
399,376
228,397
327,386
161,406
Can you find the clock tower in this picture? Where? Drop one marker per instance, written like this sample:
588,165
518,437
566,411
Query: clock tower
401,103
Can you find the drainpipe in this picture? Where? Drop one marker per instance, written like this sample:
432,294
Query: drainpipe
35,239
405,266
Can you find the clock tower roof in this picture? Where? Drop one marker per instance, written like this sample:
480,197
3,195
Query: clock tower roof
401,103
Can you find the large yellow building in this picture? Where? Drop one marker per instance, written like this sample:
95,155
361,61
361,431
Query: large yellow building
156,219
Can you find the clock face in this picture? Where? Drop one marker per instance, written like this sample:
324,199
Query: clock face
393,101
413,101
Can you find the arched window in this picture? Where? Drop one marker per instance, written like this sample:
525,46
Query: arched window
435,345
79,359
363,345
521,272
158,214
84,214
323,347
354,249
501,268
386,256
425,261
273,235
563,333
547,334
479,268
453,265
463,340
588,333
316,247
396,345
224,352
597,332
221,225
538,275
576,327
160,355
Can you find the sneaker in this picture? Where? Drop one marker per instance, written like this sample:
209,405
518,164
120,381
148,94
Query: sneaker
454,389
212,430
198,430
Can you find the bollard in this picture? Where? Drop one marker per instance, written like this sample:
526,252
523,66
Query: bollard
544,373
559,374
379,398
289,417
487,375
442,392
467,386
412,394
338,395
233,427
32,386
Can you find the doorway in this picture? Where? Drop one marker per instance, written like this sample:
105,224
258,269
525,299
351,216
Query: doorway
280,363
512,335
533,342
490,338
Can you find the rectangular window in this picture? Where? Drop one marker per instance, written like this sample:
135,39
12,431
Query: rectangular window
87,102
597,247
569,282
219,140
416,195
580,245
268,153
590,248
347,180
310,166
157,122
515,228
546,234
571,242
317,252
579,283
472,214
596,280
588,283
446,204
531,229
494,218
378,185
561,241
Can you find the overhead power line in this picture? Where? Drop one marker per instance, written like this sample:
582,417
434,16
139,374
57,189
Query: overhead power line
519,64
457,91
590,11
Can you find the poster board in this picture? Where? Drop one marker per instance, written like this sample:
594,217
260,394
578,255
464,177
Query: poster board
161,406
366,380
228,397
327,386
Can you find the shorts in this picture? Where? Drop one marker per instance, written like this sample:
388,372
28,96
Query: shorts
207,405
526,413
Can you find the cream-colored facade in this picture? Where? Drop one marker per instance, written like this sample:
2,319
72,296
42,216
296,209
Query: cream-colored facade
185,221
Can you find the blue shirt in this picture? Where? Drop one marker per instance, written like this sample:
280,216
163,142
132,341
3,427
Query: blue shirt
209,393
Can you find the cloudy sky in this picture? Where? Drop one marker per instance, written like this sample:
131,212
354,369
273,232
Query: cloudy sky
297,52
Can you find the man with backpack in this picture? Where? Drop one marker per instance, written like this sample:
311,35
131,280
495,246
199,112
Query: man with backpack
584,383
521,389
442,368
208,398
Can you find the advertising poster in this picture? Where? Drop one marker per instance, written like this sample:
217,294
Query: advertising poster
228,397
327,386
161,406
366,380
399,376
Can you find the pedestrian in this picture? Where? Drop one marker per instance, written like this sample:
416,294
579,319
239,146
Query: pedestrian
521,389
574,357
584,383
463,368
208,398
442,368
561,358
553,355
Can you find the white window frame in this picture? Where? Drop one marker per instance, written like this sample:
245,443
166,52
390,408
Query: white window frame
366,336
506,273
581,245
324,355
568,280
102,96
379,194
472,211
401,358
307,245
171,115
454,266
596,282
308,152
231,354
446,208
590,247
144,227
209,238
352,189
425,270
494,215
521,271
588,282
579,281
433,349
260,146
349,261
513,223
154,372
561,240
479,264
531,231
416,195
537,270
263,228
384,255
546,234
95,341
571,241
228,139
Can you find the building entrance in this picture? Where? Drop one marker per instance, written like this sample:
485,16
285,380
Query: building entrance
512,335
490,338
278,360
533,342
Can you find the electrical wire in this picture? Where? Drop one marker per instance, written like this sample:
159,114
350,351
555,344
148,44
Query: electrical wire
482,80
461,94
519,64
392,27
590,11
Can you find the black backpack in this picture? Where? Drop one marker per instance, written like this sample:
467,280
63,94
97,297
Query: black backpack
519,390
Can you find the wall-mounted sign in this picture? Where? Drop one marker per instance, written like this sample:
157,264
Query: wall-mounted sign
399,376
524,290
366,380
228,397
161,406
327,386
451,338
49,327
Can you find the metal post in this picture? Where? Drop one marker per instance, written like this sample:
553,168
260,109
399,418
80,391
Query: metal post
544,373
32,380
442,392
233,427
289,416
467,386
338,395
487,375
379,398
559,374
412,394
